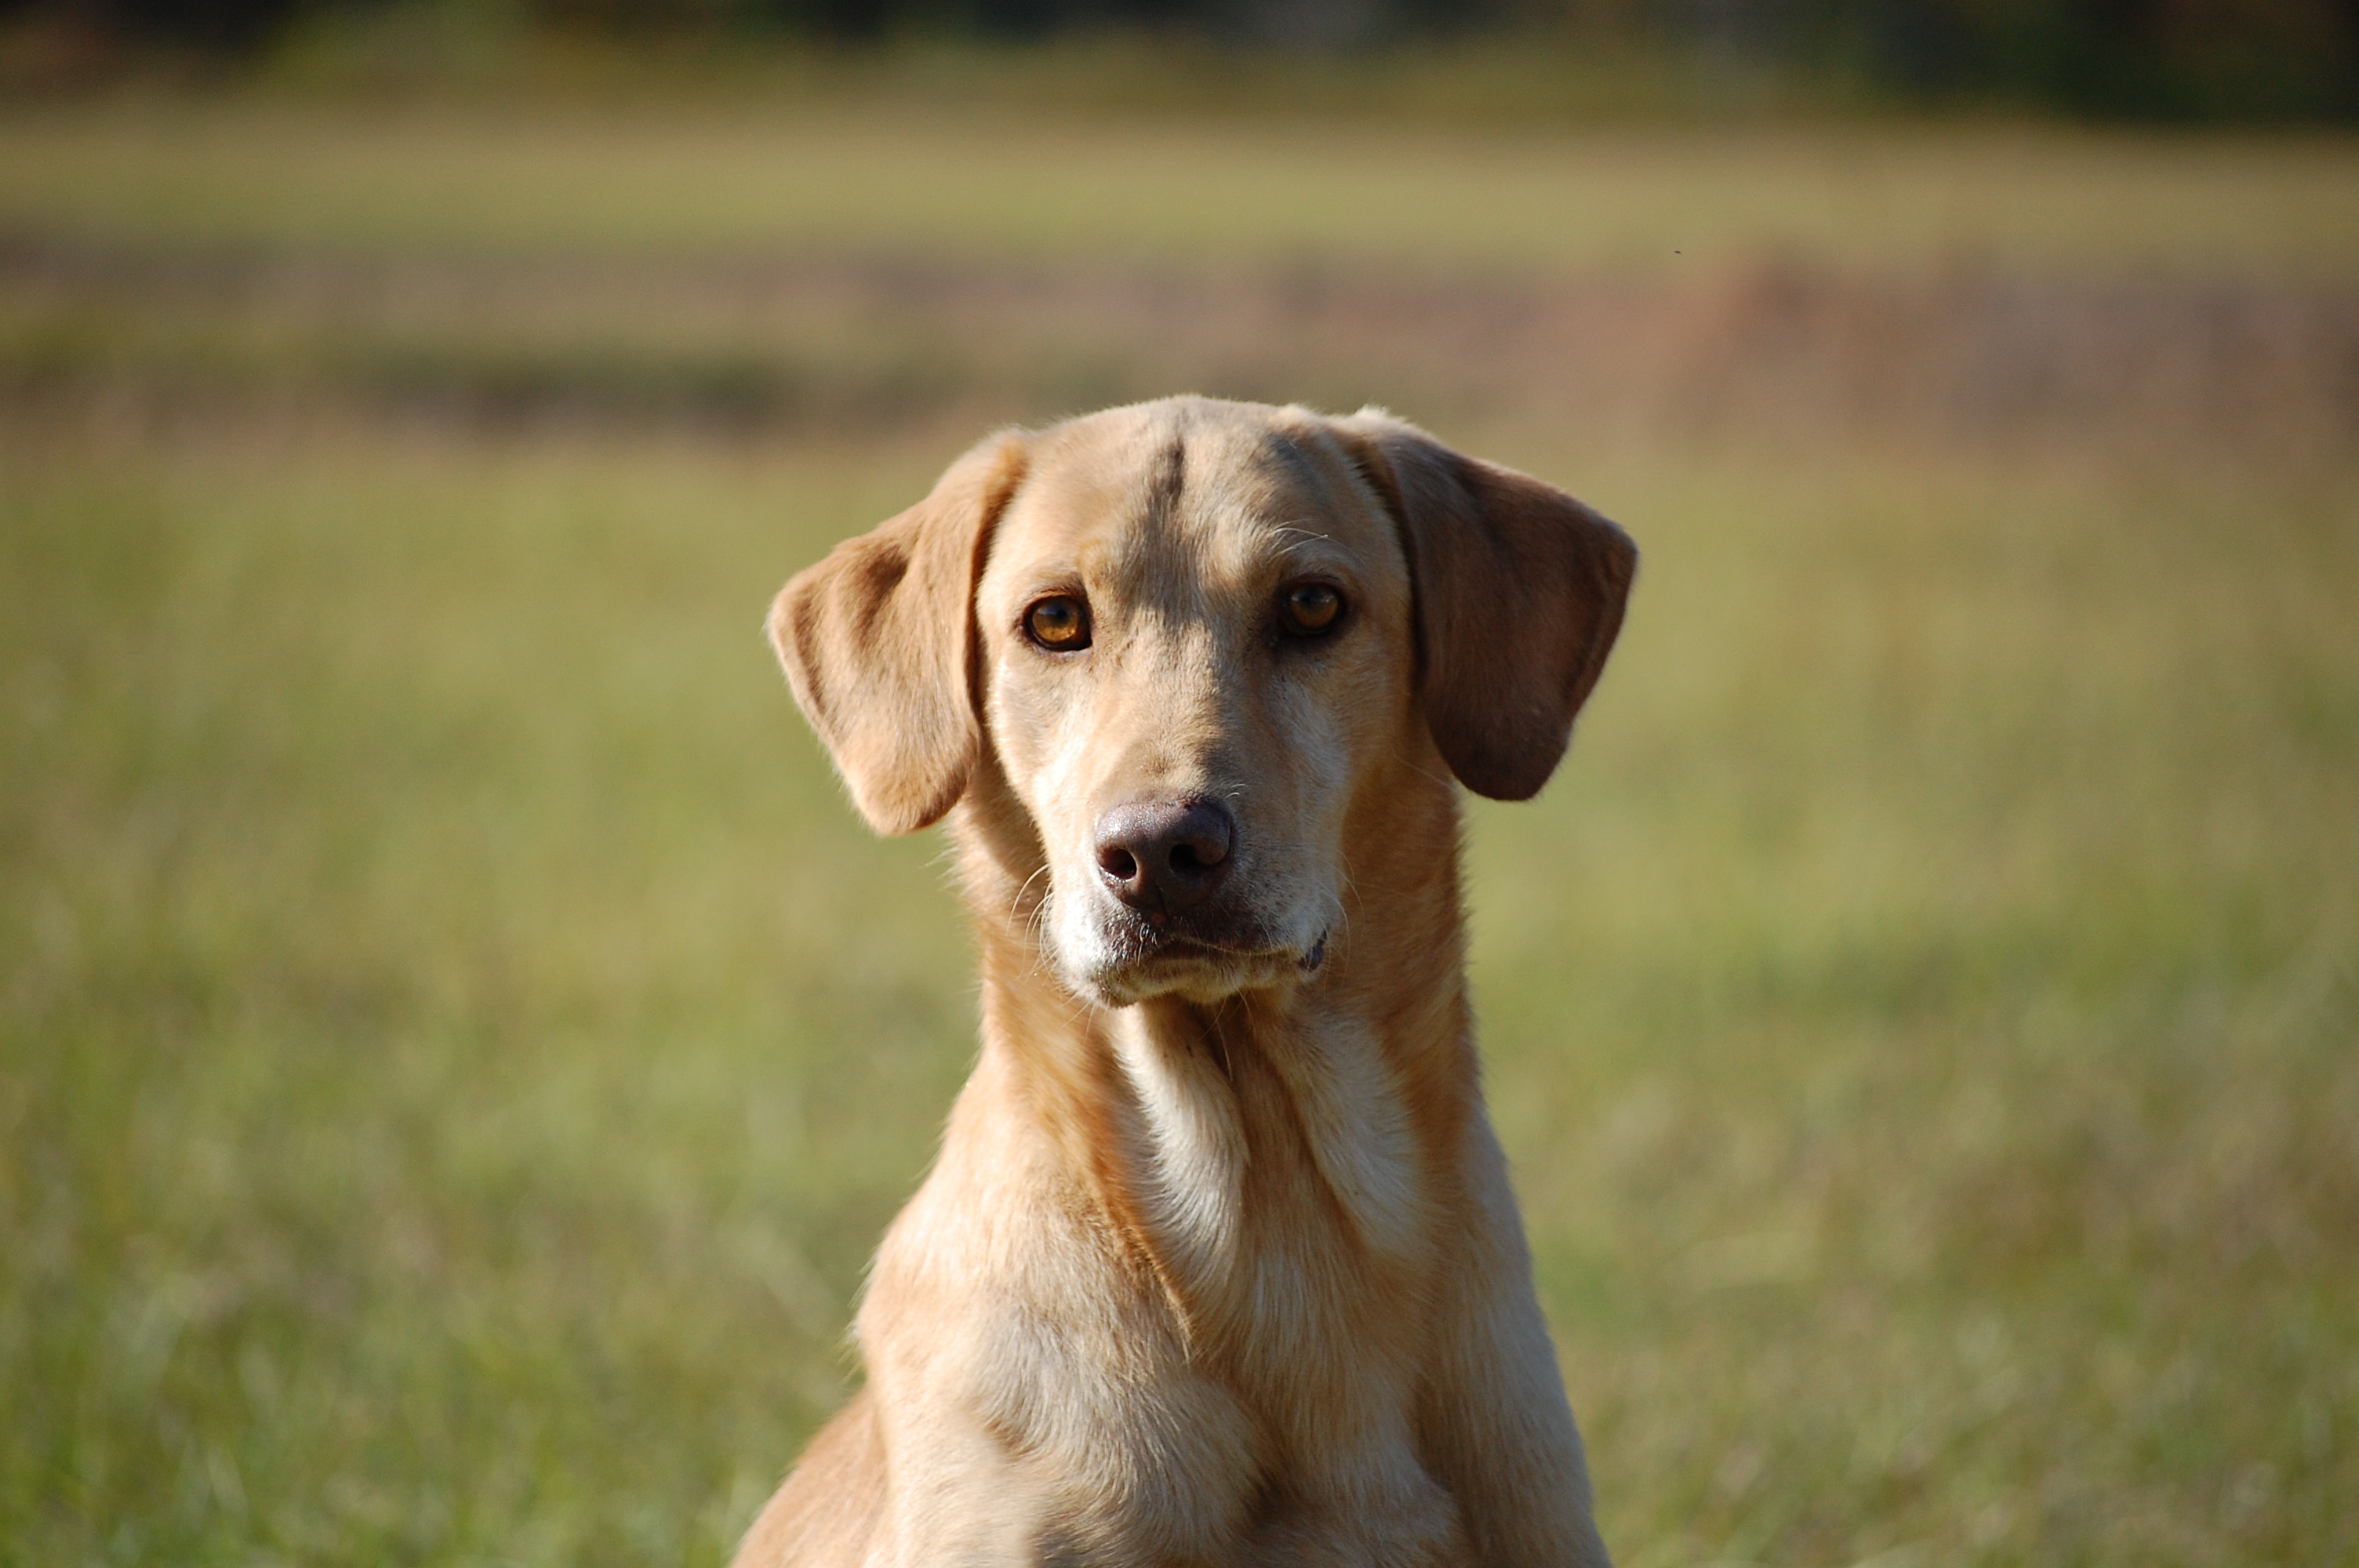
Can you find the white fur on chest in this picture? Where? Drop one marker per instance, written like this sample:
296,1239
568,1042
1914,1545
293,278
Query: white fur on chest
1196,1137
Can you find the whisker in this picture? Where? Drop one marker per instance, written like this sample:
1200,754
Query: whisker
1221,1041
1034,930
1027,888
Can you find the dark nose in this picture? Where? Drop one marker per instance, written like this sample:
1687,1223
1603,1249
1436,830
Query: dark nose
1164,856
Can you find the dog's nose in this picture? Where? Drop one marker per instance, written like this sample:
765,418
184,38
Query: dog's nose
1164,856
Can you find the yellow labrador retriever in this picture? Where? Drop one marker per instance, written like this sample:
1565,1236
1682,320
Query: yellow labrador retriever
1218,1262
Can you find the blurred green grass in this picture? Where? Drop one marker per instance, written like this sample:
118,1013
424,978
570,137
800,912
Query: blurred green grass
731,176
457,1050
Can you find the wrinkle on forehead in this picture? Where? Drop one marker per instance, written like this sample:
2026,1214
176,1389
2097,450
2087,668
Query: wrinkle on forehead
1225,505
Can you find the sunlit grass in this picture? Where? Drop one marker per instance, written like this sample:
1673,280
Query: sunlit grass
1924,1016
418,1054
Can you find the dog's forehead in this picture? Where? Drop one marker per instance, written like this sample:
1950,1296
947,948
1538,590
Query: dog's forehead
1192,490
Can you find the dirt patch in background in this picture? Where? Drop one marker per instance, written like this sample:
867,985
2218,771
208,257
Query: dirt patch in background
1768,351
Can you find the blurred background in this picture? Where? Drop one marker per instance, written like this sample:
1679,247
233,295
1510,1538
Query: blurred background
458,1049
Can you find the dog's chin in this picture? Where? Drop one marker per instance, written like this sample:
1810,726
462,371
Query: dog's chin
1128,963
1194,973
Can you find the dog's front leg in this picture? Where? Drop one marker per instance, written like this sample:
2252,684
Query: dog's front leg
1498,1430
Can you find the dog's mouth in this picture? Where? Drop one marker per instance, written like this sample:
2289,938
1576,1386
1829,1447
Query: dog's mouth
1152,937
1147,955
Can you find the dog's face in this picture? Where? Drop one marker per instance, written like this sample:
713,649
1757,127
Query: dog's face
1195,640
1192,635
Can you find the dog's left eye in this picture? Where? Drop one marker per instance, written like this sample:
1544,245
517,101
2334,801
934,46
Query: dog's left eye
1059,624
1310,608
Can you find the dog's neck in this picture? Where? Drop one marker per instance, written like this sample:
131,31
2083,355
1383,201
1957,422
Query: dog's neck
1181,1123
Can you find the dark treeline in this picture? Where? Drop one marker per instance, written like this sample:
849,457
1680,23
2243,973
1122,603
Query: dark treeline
2187,59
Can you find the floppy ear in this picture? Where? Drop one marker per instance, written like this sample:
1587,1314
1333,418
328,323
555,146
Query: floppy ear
878,642
1519,594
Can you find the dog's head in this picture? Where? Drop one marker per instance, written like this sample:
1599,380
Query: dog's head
1192,636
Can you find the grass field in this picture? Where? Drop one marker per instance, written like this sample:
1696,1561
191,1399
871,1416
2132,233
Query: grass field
457,1048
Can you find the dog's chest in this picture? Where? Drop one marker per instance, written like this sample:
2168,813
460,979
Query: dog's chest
1281,1180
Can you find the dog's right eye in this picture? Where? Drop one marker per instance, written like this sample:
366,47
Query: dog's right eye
1309,609
1059,624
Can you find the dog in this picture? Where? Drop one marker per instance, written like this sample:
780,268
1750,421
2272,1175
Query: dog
1218,1262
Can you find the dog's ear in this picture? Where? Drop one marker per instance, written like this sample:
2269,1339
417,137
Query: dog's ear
1519,594
878,642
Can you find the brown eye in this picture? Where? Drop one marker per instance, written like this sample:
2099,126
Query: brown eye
1058,624
1310,608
